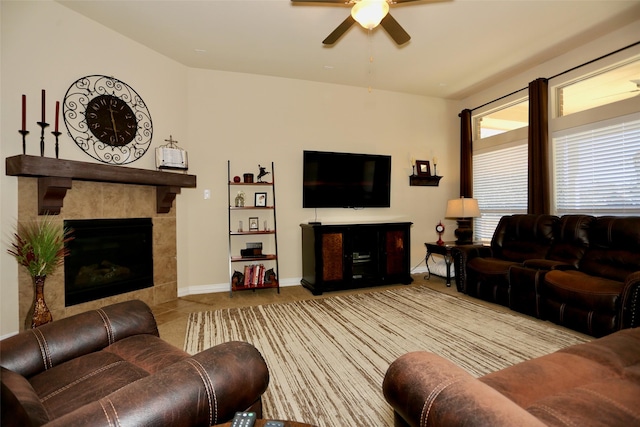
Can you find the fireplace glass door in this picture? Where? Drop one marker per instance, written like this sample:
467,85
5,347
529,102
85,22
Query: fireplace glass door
107,257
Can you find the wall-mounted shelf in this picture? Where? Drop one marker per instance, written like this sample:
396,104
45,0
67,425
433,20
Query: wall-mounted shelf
416,180
55,177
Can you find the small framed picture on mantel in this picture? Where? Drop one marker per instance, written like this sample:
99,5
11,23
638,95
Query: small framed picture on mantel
423,168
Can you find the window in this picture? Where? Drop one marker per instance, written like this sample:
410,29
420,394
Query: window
597,168
500,185
500,162
503,119
612,84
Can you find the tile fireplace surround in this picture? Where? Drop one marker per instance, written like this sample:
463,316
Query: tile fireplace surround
90,200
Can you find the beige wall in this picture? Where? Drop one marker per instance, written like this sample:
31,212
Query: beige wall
253,120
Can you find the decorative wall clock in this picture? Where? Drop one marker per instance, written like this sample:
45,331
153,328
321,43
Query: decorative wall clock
107,119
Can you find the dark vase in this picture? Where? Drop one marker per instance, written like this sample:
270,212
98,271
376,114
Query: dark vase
40,313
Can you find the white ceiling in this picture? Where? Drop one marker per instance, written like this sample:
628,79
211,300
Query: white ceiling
457,46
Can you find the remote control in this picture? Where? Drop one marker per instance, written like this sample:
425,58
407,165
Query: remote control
273,423
243,419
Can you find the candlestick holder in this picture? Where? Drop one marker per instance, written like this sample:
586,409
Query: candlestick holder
24,134
435,170
42,125
56,134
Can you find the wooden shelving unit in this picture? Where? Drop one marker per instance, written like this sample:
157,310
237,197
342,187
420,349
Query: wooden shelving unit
265,263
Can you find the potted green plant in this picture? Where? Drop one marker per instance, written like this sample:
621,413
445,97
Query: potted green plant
39,245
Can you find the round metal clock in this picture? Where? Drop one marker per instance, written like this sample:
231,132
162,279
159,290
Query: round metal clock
107,119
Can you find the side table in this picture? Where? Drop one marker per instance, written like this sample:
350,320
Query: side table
445,250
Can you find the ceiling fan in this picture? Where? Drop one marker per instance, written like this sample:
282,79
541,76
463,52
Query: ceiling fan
369,14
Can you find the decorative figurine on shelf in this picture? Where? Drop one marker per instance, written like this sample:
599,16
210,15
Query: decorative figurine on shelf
440,231
240,199
263,172
237,279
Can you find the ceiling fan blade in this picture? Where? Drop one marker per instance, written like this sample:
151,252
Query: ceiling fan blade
397,33
338,32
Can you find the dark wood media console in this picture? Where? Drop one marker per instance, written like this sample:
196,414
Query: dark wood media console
347,256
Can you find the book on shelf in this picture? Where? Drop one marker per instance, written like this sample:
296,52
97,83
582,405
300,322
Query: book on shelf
254,275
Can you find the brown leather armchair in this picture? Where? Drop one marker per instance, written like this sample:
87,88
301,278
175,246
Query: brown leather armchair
108,367
590,384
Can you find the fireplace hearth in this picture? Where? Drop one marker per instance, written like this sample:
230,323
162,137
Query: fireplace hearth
107,257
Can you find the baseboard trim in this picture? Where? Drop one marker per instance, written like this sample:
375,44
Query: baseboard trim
223,287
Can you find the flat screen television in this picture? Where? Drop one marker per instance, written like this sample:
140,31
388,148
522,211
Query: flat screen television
346,180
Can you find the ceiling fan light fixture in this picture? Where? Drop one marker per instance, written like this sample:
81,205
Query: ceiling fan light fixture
369,13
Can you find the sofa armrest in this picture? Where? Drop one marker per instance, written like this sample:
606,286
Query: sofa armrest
36,350
631,302
203,390
20,404
461,255
427,390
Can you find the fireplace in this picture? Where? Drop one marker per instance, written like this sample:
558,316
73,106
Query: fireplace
107,257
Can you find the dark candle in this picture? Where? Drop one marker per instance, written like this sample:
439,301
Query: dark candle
57,114
43,106
24,112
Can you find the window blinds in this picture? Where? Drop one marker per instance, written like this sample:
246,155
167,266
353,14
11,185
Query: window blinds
597,168
500,185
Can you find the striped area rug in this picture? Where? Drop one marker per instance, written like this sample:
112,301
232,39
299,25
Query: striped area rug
327,357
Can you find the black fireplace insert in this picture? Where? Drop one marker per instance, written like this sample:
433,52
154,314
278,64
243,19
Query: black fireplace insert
107,257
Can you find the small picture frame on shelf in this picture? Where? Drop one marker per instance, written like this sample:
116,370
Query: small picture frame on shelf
260,200
423,168
253,223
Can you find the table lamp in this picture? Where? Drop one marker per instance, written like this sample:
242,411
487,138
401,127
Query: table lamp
463,210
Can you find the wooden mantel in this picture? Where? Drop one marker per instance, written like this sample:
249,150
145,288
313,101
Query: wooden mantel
55,177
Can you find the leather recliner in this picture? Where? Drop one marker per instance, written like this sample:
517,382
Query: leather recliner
517,238
571,241
578,271
602,295
108,367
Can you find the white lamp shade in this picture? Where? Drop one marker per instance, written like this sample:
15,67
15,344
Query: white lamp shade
462,208
369,13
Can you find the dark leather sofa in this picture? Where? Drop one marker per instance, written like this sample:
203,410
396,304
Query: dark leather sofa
108,367
579,271
591,384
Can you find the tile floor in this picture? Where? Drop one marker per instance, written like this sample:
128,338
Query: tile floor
172,316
